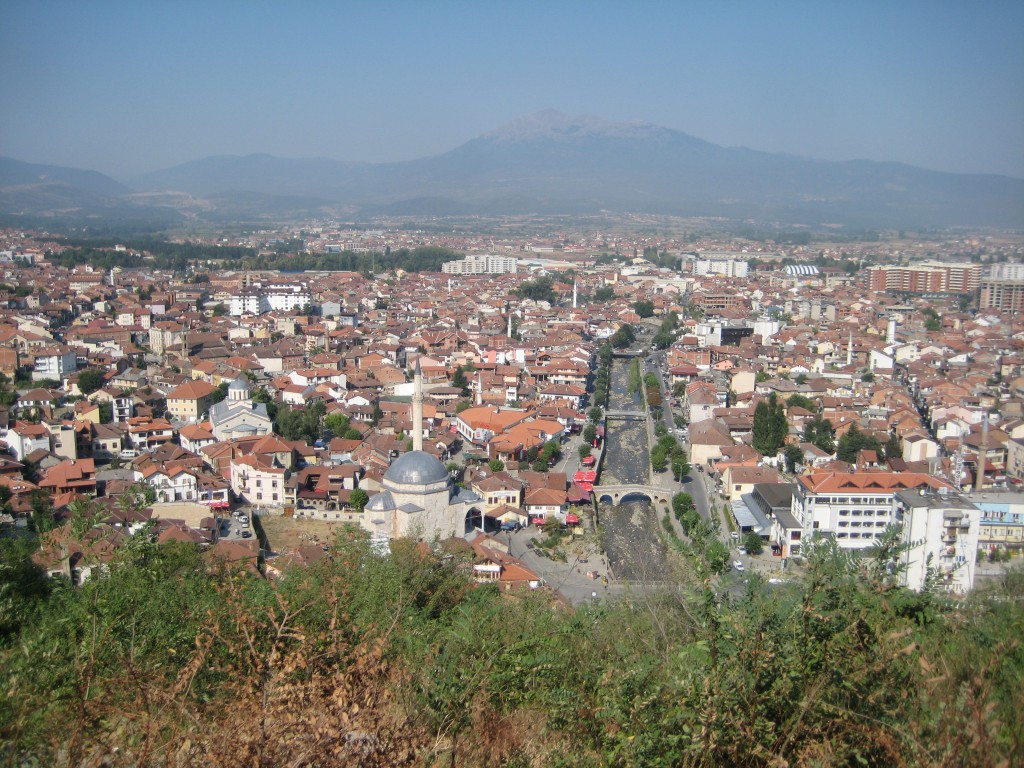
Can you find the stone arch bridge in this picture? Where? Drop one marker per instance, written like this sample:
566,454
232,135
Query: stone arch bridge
660,498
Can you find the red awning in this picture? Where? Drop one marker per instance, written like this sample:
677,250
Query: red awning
572,519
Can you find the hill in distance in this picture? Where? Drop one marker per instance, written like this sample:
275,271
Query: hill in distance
550,163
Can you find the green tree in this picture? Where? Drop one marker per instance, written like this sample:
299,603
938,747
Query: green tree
604,294
590,434
460,382
585,451
595,414
41,506
358,499
496,465
894,447
106,413
337,423
753,543
717,556
820,433
793,456
855,441
644,308
801,401
770,426
90,380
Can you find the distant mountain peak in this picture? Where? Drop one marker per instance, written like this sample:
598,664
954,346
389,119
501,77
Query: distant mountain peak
552,124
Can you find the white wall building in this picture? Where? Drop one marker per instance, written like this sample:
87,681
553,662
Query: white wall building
480,264
941,534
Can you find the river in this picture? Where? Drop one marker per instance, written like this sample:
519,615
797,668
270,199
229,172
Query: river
635,551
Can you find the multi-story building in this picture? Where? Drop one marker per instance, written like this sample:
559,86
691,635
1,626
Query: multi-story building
54,363
285,298
481,264
1006,295
260,481
720,265
248,302
926,277
1002,520
190,400
940,537
1007,272
855,507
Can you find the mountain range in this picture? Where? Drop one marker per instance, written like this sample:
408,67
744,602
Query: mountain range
546,163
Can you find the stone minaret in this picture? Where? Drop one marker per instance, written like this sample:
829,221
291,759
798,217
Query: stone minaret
417,409
849,350
575,294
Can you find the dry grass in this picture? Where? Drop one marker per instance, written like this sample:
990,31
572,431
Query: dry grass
286,534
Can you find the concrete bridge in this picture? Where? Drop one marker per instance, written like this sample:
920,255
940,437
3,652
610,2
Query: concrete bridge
626,415
661,498
627,352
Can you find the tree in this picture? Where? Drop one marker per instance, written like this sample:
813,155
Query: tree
801,401
644,308
820,433
90,380
590,434
460,382
41,503
604,294
623,337
585,451
595,414
220,393
793,456
770,426
337,423
358,499
855,441
894,447
717,556
106,413
496,465
752,543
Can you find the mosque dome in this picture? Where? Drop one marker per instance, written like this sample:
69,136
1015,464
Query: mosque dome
416,468
380,502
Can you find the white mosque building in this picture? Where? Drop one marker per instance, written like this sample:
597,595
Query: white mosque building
419,499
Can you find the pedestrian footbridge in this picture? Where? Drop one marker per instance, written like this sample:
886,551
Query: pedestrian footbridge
661,498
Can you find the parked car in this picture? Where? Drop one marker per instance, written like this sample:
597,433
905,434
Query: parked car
510,526
246,534
738,565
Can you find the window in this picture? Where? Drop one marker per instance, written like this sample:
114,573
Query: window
259,497
259,483
275,497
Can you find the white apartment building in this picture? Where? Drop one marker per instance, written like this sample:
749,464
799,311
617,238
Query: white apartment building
855,507
481,264
285,298
727,267
54,363
1007,272
941,532
250,302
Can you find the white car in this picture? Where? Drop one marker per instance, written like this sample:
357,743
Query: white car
738,565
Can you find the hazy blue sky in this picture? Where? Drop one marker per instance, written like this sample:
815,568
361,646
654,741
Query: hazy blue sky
122,87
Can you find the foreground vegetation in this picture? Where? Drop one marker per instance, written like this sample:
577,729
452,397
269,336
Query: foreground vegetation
361,660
